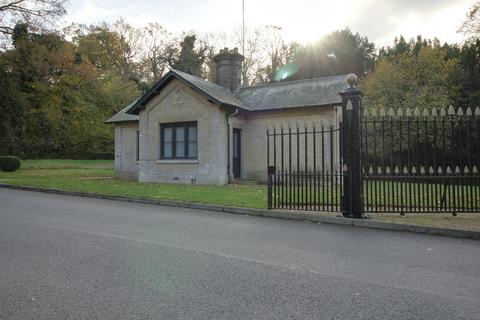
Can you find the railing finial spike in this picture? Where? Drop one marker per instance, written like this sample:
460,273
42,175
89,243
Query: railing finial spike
434,112
451,110
408,112
477,111
460,111
469,111
391,112
382,112
416,112
443,112
425,112
399,112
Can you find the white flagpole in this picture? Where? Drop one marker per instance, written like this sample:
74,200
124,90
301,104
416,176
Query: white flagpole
243,27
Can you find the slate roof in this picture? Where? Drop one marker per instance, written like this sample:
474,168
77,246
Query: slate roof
292,94
123,116
281,95
213,91
219,93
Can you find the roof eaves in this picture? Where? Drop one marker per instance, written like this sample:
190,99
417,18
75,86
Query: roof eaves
109,121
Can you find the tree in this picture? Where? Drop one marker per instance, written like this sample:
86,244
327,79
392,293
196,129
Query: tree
254,58
279,54
471,25
54,100
340,52
469,55
412,47
426,80
160,51
35,13
190,59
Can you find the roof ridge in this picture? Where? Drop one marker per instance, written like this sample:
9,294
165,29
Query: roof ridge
289,82
198,78
191,75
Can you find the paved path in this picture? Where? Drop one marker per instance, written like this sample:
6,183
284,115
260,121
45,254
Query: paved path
67,257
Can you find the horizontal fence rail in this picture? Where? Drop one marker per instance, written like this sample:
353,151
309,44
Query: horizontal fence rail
421,161
305,167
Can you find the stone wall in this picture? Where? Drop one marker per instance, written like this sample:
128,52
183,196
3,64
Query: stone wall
180,103
255,141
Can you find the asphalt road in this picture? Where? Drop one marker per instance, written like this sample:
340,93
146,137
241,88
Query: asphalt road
65,257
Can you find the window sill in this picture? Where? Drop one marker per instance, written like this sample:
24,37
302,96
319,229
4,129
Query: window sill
178,161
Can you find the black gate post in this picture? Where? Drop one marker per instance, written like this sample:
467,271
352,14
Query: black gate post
352,113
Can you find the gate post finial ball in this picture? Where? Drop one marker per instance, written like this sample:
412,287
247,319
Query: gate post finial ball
352,80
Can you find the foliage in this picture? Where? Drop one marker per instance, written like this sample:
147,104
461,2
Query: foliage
58,87
58,93
471,25
341,52
9,163
36,13
190,60
406,80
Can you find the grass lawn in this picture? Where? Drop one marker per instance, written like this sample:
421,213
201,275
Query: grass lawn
98,176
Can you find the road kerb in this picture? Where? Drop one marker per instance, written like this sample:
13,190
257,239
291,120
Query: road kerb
283,214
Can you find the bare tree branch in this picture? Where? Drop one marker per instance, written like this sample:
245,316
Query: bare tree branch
36,13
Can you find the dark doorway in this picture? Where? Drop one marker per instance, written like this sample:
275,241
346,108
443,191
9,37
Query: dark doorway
237,153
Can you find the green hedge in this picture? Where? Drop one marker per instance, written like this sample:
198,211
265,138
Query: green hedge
9,163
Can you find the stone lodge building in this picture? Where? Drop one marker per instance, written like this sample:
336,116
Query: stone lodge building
189,130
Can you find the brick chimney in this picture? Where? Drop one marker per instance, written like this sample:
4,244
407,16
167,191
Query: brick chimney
229,68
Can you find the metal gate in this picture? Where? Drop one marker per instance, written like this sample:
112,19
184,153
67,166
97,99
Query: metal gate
400,161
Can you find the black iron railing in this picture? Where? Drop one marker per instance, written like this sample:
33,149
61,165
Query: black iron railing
305,171
421,161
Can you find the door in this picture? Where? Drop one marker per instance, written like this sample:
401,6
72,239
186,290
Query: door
237,153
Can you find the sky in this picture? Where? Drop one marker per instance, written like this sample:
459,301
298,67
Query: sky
301,20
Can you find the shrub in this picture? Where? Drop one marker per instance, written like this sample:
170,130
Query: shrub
9,163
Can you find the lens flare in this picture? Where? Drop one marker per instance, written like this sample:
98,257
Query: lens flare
286,71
